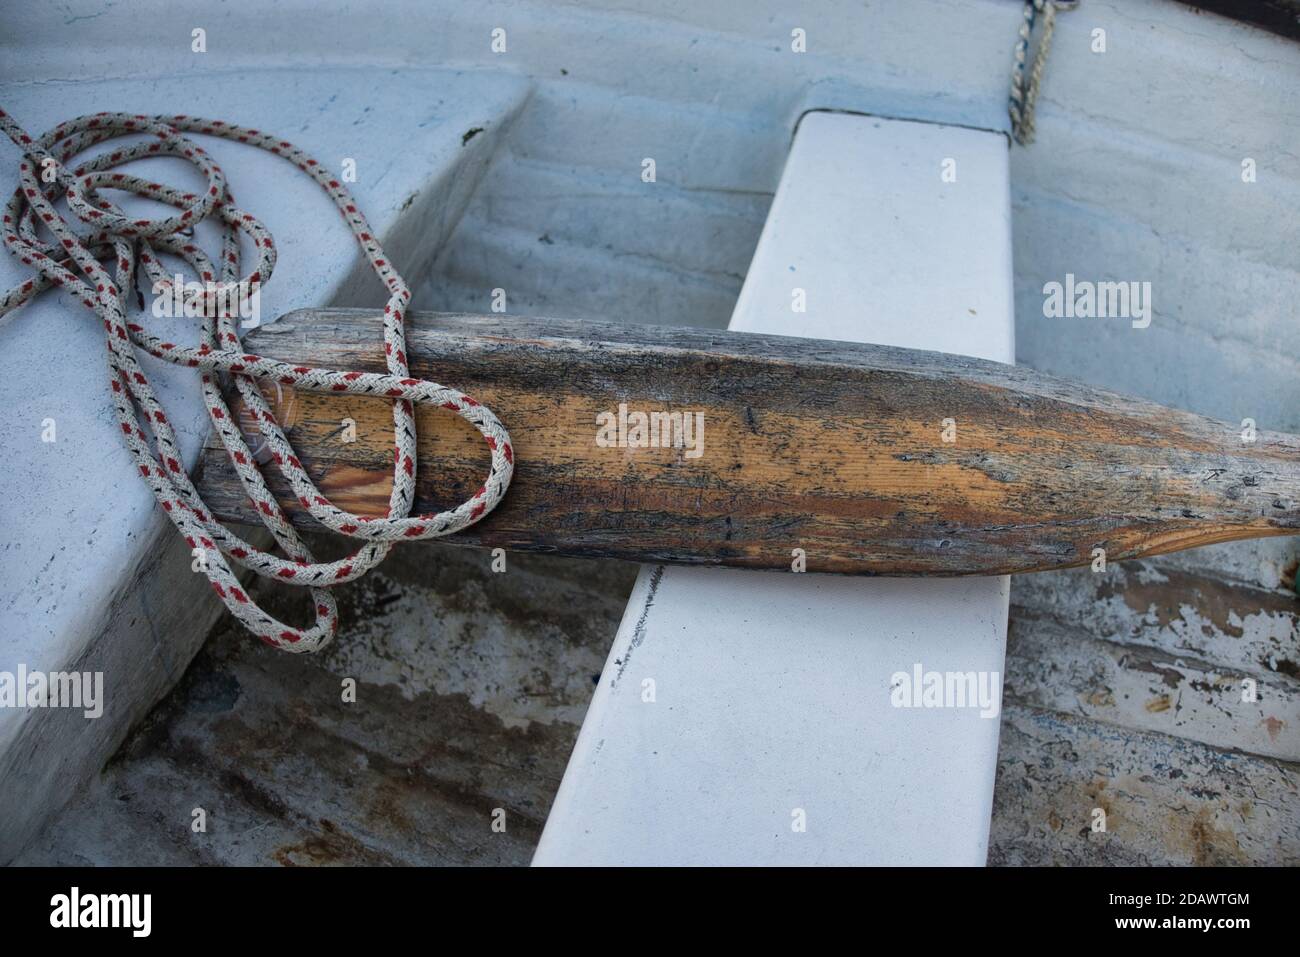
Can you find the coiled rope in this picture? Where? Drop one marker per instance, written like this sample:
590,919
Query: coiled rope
1025,98
128,242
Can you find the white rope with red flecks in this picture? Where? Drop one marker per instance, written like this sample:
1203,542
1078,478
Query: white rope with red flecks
114,235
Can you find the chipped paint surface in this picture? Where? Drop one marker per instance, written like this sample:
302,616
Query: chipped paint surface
476,640
1165,800
506,662
1149,689
1125,692
1199,612
470,687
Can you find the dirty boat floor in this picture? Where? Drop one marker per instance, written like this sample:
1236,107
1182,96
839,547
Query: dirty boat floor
471,687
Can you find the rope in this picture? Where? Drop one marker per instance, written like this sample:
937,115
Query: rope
1024,99
129,243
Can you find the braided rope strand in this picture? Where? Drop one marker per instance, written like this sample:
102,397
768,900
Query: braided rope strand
1027,128
1016,105
1024,97
136,243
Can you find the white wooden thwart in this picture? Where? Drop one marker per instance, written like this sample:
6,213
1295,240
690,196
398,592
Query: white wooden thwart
747,717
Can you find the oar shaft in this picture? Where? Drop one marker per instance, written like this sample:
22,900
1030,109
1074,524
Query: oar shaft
700,447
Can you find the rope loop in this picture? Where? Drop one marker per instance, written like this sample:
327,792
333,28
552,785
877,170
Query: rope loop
81,263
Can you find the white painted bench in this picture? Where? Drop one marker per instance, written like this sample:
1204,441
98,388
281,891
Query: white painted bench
772,693
92,575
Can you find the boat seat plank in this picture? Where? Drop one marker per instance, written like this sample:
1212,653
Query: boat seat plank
771,695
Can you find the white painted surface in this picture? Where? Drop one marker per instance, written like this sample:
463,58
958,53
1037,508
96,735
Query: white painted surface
1135,175
80,528
772,692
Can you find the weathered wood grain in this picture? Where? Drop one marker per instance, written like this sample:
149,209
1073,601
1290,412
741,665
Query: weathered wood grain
834,448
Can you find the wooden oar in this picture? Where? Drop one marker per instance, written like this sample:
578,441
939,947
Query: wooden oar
871,460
